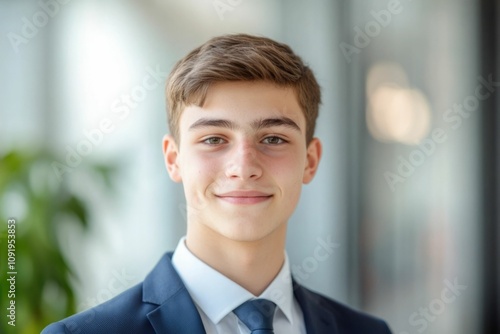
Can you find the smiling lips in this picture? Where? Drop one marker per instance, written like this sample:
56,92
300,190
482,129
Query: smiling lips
244,197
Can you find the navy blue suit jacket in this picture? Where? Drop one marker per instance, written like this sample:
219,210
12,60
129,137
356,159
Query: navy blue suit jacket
162,304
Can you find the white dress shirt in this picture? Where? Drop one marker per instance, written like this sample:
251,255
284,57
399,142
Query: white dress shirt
216,296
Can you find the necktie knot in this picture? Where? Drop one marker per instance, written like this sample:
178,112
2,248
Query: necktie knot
257,315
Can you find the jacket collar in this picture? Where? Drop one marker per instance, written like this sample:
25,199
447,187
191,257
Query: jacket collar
317,318
176,312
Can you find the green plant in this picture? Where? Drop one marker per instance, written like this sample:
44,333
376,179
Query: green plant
30,188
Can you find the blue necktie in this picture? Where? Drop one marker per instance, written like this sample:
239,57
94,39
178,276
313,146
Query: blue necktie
257,315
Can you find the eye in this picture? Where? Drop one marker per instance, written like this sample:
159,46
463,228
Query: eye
273,140
214,141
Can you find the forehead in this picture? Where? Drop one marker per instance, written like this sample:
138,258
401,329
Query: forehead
244,103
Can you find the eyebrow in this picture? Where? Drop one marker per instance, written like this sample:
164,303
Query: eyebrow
270,122
258,124
207,122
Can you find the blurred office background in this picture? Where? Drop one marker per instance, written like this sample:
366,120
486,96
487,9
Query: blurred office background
406,198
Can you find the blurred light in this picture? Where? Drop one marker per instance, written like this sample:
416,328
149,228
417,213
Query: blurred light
385,73
102,58
14,202
395,113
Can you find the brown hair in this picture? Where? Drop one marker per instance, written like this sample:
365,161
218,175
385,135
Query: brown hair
240,57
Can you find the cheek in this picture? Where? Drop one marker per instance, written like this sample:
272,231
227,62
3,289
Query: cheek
199,173
288,174
291,164
196,163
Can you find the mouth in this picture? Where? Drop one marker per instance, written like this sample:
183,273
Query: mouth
244,197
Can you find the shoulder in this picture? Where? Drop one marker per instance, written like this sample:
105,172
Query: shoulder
347,319
129,311
125,313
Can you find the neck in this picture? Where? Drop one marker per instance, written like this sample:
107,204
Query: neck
251,264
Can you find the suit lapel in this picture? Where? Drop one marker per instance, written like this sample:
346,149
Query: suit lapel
177,315
316,317
176,312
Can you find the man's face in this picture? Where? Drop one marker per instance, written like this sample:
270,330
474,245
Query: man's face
242,159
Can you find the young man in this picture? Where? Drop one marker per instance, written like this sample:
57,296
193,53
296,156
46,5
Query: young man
242,111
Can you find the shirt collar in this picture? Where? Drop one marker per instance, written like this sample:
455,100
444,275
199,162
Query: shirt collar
217,295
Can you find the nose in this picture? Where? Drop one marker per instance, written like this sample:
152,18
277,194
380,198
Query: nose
243,163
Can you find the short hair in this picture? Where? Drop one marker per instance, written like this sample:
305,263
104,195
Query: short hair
240,57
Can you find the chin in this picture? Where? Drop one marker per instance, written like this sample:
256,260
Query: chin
245,237
248,231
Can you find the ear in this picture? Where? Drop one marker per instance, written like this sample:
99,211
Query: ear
314,151
171,154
